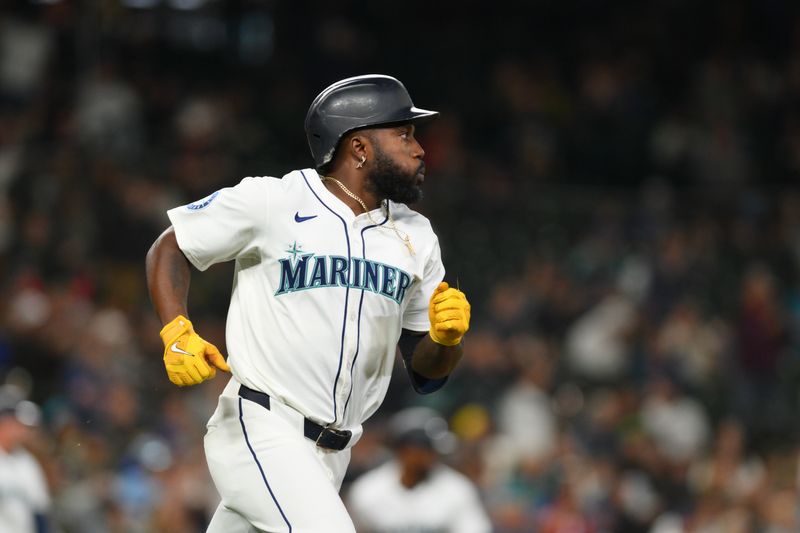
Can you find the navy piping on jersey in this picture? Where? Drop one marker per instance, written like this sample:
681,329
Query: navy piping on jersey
346,293
360,304
260,469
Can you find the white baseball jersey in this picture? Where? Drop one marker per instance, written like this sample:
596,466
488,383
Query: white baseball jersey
23,491
446,502
319,295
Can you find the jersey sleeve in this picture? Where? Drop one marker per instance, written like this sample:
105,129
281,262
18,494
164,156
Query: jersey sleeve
470,515
36,485
224,225
415,317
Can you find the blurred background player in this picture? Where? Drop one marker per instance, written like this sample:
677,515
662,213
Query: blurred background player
24,497
415,491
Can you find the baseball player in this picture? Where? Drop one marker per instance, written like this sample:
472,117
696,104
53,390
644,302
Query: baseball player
24,496
333,276
415,492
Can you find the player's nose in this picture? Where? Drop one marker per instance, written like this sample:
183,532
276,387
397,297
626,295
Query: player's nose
419,152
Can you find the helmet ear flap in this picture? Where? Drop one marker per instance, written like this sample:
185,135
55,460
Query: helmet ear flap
315,143
331,153
353,103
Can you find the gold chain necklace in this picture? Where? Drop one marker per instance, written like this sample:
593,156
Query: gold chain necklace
385,204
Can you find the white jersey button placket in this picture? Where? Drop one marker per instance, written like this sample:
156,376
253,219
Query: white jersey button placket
351,339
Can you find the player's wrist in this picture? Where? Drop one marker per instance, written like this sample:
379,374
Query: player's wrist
443,341
175,328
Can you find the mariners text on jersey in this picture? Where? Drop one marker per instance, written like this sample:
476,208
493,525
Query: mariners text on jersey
309,271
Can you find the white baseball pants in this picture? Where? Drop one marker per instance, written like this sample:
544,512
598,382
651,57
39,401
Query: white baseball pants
270,477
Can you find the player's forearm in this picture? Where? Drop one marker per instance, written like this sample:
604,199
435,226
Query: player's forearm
433,360
168,276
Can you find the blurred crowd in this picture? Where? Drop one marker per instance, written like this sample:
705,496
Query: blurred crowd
613,185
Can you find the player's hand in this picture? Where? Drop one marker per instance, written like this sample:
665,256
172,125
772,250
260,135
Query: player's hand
187,355
449,313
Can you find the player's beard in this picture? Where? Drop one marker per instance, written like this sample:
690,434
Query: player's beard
390,181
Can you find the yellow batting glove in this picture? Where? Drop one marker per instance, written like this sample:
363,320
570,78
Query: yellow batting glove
187,355
449,313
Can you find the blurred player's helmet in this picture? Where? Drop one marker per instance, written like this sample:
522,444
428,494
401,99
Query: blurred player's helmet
355,103
421,427
14,404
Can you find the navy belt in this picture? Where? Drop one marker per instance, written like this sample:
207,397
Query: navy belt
324,437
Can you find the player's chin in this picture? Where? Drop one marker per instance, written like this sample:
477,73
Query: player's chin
417,195
408,192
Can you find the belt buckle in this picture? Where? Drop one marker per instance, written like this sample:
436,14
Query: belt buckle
338,433
321,433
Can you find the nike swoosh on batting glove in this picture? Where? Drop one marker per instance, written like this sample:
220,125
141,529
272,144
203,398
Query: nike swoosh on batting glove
188,358
449,313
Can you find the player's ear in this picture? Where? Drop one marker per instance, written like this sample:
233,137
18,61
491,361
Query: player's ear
359,144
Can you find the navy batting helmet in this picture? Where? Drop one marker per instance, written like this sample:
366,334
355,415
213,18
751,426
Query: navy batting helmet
355,103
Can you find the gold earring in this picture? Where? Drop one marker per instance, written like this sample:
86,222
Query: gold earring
361,163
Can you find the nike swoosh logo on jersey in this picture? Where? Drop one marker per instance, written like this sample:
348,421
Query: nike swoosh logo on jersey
298,218
175,349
